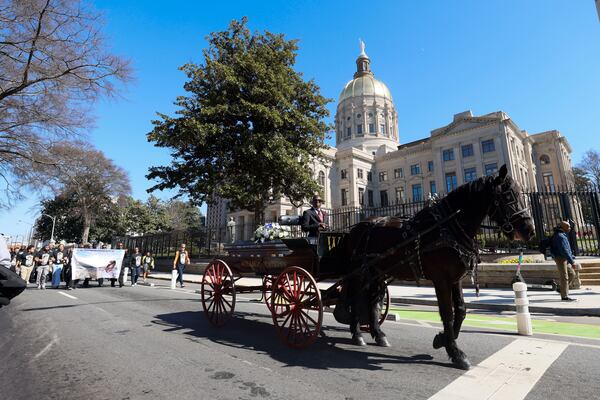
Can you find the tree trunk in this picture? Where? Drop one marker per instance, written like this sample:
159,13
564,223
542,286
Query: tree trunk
259,213
86,228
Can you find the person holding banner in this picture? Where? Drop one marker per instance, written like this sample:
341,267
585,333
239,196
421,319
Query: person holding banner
148,264
44,261
26,262
59,262
182,259
136,263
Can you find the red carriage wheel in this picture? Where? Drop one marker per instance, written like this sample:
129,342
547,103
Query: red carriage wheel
218,292
296,307
267,290
385,309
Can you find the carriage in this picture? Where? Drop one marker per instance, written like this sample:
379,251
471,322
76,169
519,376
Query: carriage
294,275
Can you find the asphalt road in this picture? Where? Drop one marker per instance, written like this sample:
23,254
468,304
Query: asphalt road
154,343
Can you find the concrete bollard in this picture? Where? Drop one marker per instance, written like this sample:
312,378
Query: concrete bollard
522,304
173,278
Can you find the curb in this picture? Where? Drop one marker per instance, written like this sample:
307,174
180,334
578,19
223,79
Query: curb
563,312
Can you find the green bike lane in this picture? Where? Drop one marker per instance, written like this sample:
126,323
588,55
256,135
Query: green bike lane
505,323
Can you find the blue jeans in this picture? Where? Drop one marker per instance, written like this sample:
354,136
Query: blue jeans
56,275
135,272
180,268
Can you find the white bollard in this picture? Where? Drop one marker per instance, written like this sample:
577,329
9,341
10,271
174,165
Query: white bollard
522,304
173,278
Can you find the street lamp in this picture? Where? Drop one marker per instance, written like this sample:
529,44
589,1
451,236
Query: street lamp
53,223
30,229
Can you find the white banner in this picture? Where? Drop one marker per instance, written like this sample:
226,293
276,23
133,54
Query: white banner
96,263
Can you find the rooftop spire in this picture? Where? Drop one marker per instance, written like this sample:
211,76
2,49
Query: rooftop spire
362,62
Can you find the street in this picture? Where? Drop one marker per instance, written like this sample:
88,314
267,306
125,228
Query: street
154,343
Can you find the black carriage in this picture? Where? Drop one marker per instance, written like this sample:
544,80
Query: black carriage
291,270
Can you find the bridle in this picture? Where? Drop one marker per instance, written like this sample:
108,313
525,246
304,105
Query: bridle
505,209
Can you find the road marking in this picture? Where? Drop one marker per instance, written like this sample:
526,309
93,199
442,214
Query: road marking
45,349
509,373
68,295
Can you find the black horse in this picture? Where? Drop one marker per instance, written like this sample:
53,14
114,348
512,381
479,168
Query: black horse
437,244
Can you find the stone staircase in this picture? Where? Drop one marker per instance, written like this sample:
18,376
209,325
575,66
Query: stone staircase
590,274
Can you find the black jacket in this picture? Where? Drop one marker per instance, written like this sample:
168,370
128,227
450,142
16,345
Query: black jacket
310,221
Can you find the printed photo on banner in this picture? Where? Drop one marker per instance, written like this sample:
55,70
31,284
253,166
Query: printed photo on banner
96,263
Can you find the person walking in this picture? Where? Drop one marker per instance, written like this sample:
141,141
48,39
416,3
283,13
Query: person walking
59,257
123,273
563,256
27,262
43,260
182,259
136,263
147,264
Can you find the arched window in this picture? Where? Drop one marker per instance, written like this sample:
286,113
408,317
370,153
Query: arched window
544,159
322,179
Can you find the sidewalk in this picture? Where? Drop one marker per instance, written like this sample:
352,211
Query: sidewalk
545,301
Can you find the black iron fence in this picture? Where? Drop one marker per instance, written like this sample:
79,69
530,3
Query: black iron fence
546,208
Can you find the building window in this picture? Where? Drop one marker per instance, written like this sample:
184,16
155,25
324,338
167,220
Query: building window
359,173
343,174
370,197
348,132
372,129
448,155
383,176
382,129
322,179
399,195
348,118
487,146
470,174
549,182
371,115
369,176
491,169
398,173
432,187
359,129
415,169
417,192
344,197
450,181
361,196
429,166
357,115
544,159
467,150
384,198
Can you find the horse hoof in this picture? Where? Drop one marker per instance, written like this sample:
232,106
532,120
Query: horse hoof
439,341
462,363
383,342
358,340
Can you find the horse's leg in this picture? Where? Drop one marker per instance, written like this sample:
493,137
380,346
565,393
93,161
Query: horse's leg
374,314
460,311
443,292
355,297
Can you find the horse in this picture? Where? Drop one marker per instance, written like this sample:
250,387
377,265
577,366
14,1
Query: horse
438,244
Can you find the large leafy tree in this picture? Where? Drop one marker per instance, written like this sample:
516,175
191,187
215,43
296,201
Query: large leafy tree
248,127
54,65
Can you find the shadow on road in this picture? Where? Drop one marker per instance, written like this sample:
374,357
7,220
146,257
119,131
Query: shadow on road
245,331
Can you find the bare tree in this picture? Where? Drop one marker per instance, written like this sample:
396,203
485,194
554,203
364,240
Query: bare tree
590,165
53,66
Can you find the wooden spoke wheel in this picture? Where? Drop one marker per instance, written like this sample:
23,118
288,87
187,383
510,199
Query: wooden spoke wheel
296,307
267,290
385,309
218,292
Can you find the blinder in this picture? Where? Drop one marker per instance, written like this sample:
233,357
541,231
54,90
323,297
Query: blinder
506,207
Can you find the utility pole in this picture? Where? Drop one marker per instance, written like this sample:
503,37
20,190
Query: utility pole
53,223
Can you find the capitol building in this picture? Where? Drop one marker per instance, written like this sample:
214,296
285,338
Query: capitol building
370,166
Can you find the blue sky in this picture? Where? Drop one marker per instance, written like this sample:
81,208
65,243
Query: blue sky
539,61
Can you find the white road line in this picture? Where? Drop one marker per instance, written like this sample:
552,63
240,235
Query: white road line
68,295
45,349
507,374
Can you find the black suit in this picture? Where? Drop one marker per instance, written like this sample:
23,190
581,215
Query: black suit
310,221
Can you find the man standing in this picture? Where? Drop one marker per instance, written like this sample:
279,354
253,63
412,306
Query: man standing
313,219
59,261
563,256
26,262
124,267
182,259
136,263
43,260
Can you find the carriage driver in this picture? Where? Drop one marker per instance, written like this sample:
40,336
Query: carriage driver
313,219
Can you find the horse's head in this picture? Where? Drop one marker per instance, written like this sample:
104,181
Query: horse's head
507,208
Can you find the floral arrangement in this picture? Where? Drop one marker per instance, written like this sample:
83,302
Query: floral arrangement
271,231
516,261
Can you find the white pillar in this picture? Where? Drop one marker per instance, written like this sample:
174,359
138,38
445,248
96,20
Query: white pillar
522,305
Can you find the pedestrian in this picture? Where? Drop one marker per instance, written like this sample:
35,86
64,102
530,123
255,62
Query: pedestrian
182,259
123,273
43,261
563,256
59,257
26,262
67,271
136,263
147,264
